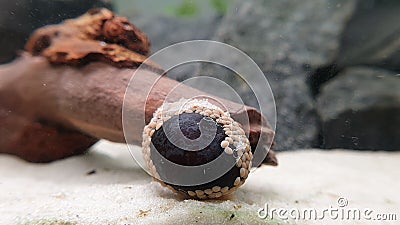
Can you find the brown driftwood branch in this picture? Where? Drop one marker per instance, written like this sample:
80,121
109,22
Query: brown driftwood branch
67,90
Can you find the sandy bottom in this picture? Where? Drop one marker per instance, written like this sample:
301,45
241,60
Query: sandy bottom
106,186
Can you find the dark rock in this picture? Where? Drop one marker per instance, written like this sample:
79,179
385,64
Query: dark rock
19,18
360,109
297,122
289,40
164,31
372,36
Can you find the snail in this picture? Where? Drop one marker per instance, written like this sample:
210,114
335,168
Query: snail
196,149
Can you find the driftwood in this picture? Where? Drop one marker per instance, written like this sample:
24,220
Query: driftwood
66,91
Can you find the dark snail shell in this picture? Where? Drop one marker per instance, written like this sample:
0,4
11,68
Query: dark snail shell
165,151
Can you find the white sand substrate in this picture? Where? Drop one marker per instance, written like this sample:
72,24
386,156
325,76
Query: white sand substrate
120,192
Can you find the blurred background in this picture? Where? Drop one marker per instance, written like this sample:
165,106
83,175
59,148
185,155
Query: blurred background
333,65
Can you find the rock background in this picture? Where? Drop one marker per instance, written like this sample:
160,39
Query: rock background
360,109
302,47
289,40
333,65
372,36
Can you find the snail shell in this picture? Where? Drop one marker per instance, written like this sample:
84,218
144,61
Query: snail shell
193,133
